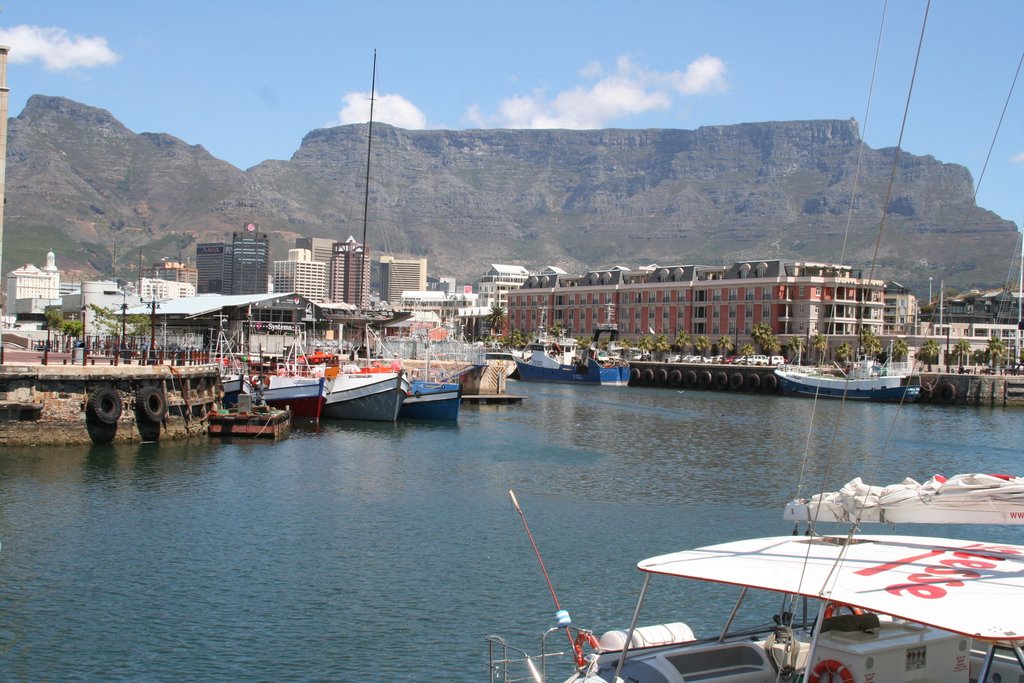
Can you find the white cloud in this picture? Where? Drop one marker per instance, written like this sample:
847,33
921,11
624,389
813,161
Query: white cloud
393,109
1017,158
55,48
626,92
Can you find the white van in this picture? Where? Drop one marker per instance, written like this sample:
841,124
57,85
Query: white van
776,361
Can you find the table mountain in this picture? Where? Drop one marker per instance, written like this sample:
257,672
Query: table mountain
465,199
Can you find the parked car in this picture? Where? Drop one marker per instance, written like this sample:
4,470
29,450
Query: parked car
757,359
776,360
732,360
676,358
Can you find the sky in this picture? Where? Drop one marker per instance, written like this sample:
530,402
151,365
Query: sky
247,80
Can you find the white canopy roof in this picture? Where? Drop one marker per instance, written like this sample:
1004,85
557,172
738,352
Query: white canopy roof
974,589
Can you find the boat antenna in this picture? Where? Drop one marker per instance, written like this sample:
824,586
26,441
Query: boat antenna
561,615
366,195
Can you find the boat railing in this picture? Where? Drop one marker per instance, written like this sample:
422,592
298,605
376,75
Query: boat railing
509,664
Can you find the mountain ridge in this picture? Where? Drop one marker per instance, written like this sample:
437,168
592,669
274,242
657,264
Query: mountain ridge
466,199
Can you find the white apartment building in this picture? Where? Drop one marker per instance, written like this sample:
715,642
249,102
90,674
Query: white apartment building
30,282
498,281
162,290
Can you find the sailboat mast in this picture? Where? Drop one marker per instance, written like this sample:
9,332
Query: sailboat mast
1020,295
366,196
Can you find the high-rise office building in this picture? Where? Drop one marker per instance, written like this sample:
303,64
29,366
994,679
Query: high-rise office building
302,275
213,268
401,275
250,260
350,273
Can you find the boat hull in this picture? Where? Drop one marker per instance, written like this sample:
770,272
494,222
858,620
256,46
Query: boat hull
432,401
880,389
591,373
304,396
364,396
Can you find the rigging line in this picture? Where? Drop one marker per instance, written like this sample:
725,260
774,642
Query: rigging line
863,133
366,196
899,146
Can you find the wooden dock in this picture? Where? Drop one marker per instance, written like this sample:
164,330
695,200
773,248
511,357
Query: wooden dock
492,399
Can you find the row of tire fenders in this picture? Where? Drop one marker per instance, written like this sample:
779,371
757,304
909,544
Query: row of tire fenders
106,405
704,379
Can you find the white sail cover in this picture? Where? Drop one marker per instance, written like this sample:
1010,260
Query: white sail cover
961,499
970,588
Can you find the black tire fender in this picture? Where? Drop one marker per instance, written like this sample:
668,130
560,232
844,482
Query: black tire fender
151,403
105,405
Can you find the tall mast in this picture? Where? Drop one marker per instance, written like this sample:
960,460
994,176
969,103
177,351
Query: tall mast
366,197
1020,294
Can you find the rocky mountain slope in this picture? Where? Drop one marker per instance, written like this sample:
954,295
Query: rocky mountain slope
82,184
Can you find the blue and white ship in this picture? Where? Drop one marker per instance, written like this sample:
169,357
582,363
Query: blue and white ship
865,381
555,359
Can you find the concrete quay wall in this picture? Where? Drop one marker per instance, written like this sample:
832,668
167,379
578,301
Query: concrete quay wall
67,404
936,388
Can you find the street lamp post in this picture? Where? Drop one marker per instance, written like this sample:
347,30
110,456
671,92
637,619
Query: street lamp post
152,327
122,346
85,338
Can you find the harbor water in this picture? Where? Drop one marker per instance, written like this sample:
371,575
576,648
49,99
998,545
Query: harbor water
380,552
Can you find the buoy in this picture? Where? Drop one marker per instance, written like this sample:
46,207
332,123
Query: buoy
827,670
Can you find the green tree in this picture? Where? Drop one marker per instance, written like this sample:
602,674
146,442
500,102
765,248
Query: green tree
496,319
996,350
682,341
763,336
516,339
795,345
661,345
869,344
702,344
844,352
557,330
645,344
929,352
962,350
819,343
900,349
747,350
725,345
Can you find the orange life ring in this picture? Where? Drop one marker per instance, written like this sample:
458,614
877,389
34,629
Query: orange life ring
827,670
834,607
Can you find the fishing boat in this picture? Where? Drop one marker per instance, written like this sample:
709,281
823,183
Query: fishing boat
375,393
234,375
865,380
428,400
555,359
296,383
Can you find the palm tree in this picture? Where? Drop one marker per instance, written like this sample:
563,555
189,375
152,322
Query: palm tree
996,350
819,343
844,352
762,334
869,344
496,319
516,339
962,350
900,349
929,352
645,344
661,345
557,330
795,346
725,345
682,341
747,350
702,344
